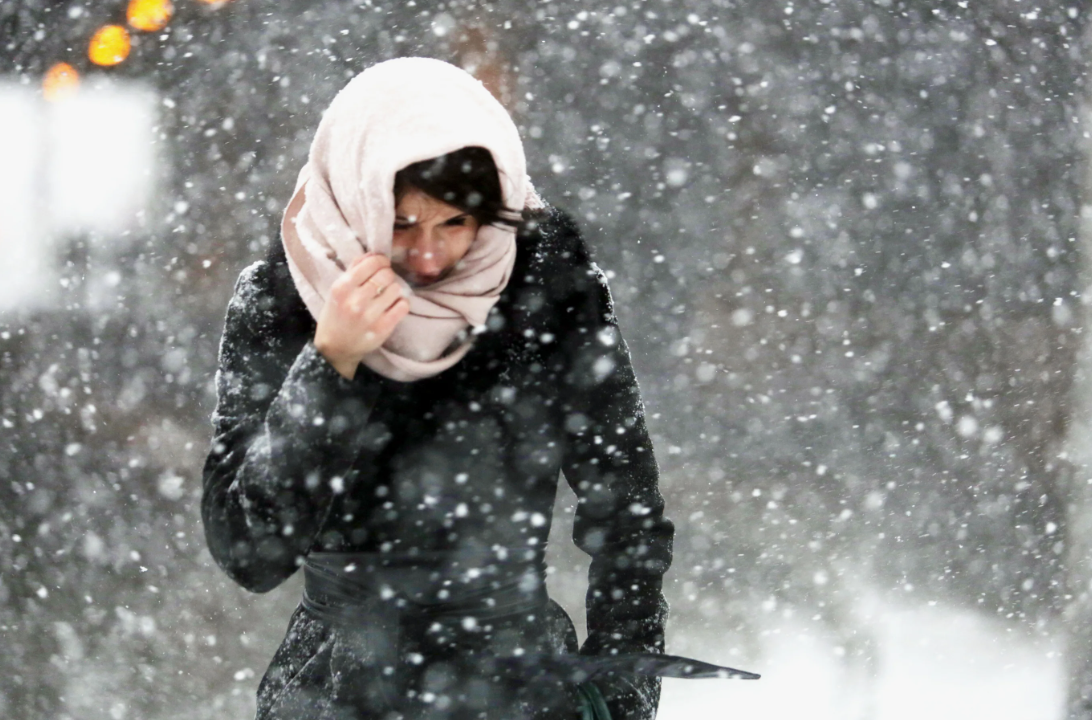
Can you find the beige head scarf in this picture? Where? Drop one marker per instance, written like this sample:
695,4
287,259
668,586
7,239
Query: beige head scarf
392,115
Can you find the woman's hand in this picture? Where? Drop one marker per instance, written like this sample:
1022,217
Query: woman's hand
364,306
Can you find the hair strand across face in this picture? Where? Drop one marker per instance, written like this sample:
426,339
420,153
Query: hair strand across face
466,179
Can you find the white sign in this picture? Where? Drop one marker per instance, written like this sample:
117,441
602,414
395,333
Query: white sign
78,166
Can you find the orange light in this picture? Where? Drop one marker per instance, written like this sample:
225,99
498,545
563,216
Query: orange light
61,81
109,45
150,15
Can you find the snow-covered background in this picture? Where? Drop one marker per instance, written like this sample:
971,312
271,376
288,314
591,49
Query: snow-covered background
845,242
935,662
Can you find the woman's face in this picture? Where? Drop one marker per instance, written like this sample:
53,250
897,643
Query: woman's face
430,238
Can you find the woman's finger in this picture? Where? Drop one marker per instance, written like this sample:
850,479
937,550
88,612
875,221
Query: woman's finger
356,276
376,305
364,304
388,321
363,269
361,258
380,281
384,276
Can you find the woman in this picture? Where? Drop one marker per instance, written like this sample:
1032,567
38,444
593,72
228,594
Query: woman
400,385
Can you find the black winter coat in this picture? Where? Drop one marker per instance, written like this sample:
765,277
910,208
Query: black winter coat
306,461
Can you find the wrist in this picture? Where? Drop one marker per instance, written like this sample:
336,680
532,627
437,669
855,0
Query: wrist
345,366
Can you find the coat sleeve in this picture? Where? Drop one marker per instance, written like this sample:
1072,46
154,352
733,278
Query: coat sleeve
609,463
287,430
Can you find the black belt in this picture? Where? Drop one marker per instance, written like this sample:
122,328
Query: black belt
371,595
374,594
487,585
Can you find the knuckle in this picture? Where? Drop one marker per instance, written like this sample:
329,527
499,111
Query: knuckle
362,267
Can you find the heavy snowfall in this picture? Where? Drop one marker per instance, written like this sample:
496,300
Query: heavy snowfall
846,242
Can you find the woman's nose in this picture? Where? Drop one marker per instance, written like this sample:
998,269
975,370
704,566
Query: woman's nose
425,255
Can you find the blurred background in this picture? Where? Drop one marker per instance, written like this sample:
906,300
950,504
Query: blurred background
845,242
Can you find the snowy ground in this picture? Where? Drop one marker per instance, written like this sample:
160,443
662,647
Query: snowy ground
934,662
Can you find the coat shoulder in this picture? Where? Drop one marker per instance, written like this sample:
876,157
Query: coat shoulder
267,302
556,257
560,260
550,233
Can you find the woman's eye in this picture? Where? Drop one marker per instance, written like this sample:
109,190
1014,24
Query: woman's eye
400,226
461,220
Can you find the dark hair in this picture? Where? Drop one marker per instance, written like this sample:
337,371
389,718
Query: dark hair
467,179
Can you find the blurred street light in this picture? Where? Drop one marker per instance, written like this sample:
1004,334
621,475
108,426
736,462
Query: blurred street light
60,82
109,45
149,15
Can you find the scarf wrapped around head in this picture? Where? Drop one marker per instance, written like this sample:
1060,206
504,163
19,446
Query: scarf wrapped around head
392,115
